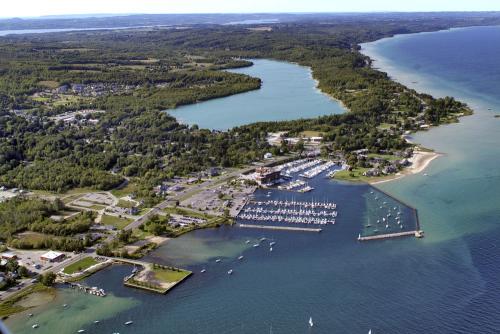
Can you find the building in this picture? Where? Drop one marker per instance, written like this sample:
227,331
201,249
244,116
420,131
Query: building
268,155
264,175
52,256
9,256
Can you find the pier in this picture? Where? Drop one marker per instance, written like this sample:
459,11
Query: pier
282,228
95,291
416,234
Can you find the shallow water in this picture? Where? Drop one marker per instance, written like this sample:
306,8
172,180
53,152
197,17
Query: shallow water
444,283
288,92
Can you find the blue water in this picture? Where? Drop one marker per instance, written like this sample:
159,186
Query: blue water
288,92
447,282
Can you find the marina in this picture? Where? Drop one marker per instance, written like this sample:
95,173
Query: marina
291,212
95,291
281,228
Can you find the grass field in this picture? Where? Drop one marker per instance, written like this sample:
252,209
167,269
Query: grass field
126,204
170,276
80,265
355,175
388,157
117,222
309,134
127,190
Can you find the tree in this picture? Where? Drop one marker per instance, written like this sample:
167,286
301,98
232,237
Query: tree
22,271
48,279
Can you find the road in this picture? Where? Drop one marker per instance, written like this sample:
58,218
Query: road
57,267
186,193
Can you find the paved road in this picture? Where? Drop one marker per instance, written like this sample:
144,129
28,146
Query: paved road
186,193
55,268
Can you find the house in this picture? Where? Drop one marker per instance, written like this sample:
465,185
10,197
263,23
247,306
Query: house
391,169
213,171
133,210
52,256
8,256
372,172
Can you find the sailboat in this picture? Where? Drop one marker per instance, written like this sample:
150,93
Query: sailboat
311,321
370,331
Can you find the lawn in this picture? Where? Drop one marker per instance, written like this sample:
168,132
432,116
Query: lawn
309,134
355,175
80,265
126,204
388,157
127,190
117,222
170,276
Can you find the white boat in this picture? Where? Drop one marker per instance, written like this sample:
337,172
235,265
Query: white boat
311,322
35,326
217,261
230,271
256,245
96,321
240,257
272,243
271,249
370,331
247,242
65,305
30,315
130,322
203,270
81,331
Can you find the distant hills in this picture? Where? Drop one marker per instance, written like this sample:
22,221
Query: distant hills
134,20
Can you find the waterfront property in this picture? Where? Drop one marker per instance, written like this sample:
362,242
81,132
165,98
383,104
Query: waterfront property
155,277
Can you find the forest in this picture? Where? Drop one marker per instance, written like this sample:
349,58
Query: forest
159,69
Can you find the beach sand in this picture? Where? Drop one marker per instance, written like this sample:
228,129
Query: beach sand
419,162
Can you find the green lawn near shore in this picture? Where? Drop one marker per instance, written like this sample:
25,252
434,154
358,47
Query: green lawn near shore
170,275
80,265
117,222
353,175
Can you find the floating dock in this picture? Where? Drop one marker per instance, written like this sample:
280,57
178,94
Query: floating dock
416,234
281,228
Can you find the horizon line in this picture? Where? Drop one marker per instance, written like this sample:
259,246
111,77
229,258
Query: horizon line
90,15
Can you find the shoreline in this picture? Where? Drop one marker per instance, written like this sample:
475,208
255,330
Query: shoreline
420,161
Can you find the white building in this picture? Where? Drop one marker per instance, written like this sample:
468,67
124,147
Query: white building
52,256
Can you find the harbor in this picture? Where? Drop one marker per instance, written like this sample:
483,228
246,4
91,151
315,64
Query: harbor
281,228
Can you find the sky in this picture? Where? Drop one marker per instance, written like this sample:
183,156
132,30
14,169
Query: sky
23,8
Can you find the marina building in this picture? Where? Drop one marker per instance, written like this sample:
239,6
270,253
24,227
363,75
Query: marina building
52,256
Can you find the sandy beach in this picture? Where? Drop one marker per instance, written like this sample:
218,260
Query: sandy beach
419,162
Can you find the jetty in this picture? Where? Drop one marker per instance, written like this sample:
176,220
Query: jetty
281,228
416,234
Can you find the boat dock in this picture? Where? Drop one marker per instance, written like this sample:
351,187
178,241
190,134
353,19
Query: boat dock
416,234
90,290
282,228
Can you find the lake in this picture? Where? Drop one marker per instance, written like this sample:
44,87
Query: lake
288,92
445,283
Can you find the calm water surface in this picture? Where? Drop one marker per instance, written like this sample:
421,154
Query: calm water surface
288,92
445,283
